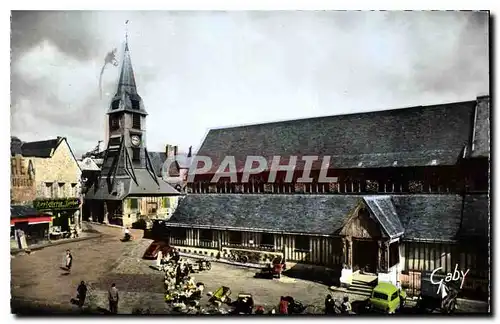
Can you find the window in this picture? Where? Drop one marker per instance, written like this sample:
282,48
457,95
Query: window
152,207
61,189
136,121
114,123
136,104
302,243
235,237
165,202
206,235
179,233
379,295
74,191
115,104
136,154
267,239
134,204
394,296
48,190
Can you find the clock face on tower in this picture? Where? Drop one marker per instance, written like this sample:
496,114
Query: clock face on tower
136,140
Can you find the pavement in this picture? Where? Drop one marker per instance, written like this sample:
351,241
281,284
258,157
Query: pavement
82,237
39,284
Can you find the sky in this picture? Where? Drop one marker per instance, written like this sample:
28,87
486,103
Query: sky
197,70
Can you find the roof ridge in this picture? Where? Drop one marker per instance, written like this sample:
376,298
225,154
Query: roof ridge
360,113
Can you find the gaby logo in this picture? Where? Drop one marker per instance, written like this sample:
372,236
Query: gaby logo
455,276
254,165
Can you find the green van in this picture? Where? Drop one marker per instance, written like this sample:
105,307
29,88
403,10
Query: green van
386,298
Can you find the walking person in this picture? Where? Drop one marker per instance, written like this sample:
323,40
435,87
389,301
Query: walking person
81,294
69,260
113,299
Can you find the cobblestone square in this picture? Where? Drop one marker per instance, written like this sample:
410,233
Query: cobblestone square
38,278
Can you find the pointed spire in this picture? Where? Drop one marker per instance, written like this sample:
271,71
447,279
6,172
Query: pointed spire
127,78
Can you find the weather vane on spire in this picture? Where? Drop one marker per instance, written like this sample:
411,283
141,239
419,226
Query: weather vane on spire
126,31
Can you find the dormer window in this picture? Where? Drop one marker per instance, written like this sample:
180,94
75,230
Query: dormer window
115,104
136,104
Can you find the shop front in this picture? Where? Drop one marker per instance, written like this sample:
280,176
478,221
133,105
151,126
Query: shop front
65,214
28,226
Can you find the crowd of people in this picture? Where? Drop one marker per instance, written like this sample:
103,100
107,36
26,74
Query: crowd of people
184,293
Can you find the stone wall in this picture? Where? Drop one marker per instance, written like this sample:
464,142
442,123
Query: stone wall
62,167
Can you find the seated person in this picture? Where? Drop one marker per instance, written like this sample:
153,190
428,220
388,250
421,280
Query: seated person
190,283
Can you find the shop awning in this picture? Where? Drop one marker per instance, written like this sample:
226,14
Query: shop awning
31,220
26,213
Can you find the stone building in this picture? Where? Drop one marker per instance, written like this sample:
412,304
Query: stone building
46,177
410,194
128,187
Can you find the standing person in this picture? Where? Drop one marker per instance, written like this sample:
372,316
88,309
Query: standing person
113,299
81,293
178,275
283,305
177,256
69,260
329,305
159,259
346,306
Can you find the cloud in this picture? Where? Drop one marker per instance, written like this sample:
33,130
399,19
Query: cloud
198,70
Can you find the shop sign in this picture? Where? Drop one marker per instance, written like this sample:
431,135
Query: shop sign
56,204
22,172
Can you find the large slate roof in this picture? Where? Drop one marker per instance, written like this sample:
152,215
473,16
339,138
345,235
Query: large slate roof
476,216
428,217
124,186
418,136
321,214
383,210
41,149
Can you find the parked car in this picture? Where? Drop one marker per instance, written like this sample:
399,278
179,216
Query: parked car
155,247
386,298
431,300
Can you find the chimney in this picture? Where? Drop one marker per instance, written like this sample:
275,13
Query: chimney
189,153
175,150
166,149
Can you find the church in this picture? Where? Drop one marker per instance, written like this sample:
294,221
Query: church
128,187
411,195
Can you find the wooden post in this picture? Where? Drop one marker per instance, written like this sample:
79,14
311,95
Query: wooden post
105,216
349,250
379,251
219,240
383,250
